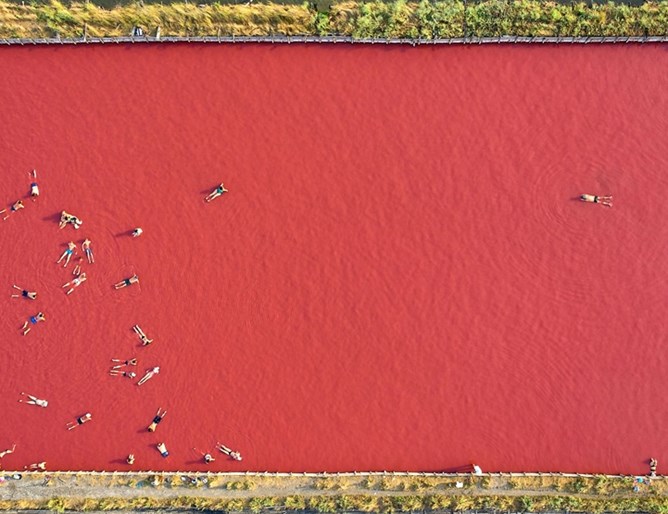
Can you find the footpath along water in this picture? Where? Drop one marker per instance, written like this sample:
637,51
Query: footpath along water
401,276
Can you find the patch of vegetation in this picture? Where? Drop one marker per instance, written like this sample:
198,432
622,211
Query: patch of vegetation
425,19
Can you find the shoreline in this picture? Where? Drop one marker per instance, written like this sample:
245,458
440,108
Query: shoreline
286,40
325,492
450,20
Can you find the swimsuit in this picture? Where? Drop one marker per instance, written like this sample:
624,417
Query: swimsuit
25,293
127,281
596,199
33,320
68,252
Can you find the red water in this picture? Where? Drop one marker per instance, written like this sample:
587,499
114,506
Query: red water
400,277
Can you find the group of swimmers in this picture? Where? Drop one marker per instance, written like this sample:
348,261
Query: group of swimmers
18,205
121,367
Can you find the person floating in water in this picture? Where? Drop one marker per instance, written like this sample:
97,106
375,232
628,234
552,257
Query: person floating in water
127,374
15,207
228,451
30,295
77,269
652,467
162,449
137,232
34,188
142,337
208,458
66,217
129,362
76,282
32,400
79,421
8,451
157,419
216,193
85,246
32,321
67,254
603,200
134,279
149,375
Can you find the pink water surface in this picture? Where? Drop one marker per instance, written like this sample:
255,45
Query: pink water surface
400,278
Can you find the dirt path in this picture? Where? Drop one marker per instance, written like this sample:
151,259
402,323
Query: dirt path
35,486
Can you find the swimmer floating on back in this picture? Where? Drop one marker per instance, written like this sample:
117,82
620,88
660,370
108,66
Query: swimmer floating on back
34,401
34,189
8,451
32,321
67,254
142,337
119,373
162,449
75,283
79,421
77,269
216,193
603,200
18,205
30,295
149,375
157,419
85,247
129,362
127,282
227,451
